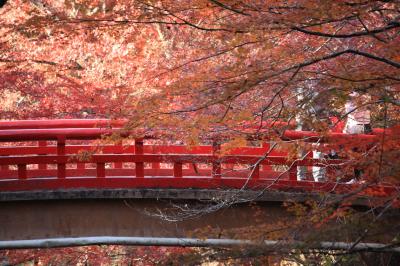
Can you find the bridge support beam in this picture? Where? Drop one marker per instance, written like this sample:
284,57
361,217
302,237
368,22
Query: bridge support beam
61,216
24,220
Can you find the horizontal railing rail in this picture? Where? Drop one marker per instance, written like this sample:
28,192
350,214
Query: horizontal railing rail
98,123
61,123
92,133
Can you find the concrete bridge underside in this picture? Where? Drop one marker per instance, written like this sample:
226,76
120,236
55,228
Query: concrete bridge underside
69,218
133,213
33,215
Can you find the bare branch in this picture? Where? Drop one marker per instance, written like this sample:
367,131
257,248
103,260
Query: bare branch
229,8
74,66
390,26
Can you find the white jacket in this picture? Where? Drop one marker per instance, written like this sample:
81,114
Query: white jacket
356,118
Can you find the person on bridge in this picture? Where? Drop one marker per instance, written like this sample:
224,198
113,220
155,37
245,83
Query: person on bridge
358,118
358,122
315,105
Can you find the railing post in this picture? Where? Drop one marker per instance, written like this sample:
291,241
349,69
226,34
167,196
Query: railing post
118,165
155,165
293,172
266,146
4,167
216,164
101,170
80,167
177,169
139,166
256,172
61,167
22,173
42,143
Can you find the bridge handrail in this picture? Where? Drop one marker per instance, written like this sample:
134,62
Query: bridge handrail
61,123
31,130
7,135
94,123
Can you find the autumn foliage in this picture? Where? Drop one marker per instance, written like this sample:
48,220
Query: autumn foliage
95,255
202,69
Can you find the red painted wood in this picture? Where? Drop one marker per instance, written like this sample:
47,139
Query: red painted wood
92,133
275,152
139,165
178,170
61,145
101,171
224,170
155,165
154,149
256,172
91,123
139,146
61,170
51,134
42,143
61,167
22,171
61,123
80,166
73,149
293,173
151,149
117,165
69,149
118,150
168,182
126,172
216,163
216,170
167,158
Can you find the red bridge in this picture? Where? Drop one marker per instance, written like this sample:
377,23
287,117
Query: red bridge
64,160
50,155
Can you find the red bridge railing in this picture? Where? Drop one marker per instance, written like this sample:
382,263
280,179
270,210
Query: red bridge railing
64,154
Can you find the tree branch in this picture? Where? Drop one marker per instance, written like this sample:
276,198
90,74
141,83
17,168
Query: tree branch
390,26
348,51
294,68
229,8
74,66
